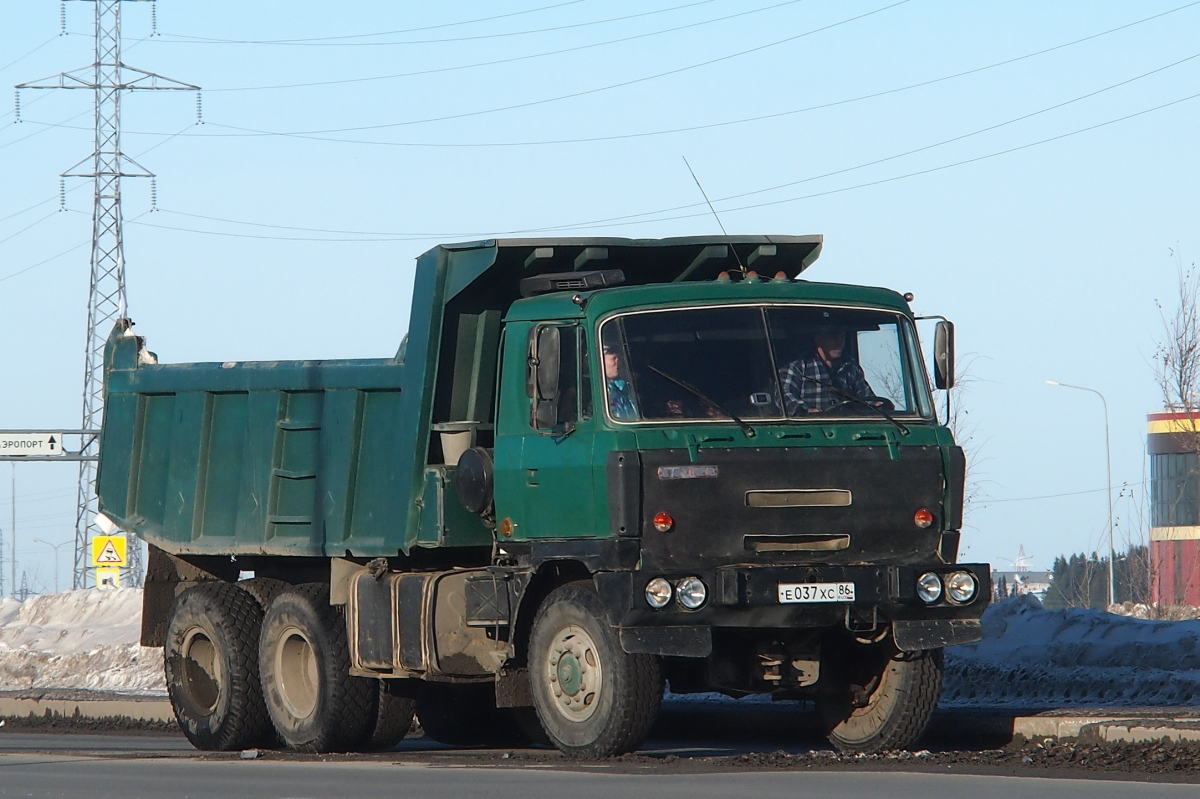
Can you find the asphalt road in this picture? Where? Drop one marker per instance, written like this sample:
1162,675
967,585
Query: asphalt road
693,754
137,775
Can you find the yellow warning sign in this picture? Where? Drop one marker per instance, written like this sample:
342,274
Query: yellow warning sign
109,550
108,577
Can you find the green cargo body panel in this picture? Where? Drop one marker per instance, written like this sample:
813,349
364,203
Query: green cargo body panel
329,458
278,459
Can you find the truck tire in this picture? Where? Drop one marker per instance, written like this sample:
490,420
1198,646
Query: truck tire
263,589
211,666
392,721
304,659
883,700
593,699
466,715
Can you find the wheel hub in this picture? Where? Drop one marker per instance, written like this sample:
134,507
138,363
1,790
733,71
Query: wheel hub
201,670
575,673
297,673
570,675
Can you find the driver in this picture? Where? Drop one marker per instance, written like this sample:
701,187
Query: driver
812,384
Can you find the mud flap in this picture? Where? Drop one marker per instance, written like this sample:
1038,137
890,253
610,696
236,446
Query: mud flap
911,636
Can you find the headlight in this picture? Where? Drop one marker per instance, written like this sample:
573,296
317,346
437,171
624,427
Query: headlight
929,587
691,592
658,593
961,587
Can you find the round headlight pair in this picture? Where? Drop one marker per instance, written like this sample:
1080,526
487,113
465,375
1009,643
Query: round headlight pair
960,587
690,592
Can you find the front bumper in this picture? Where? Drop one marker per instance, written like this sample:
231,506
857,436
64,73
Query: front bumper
747,597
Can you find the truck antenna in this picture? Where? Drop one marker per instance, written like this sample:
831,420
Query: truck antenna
741,265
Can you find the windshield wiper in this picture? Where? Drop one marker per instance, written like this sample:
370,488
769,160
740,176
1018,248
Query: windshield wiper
698,394
859,400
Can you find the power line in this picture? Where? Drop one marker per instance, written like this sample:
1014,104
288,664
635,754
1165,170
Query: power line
359,240
27,227
201,39
311,135
981,503
27,210
639,217
325,42
585,92
923,148
893,179
78,246
19,59
498,61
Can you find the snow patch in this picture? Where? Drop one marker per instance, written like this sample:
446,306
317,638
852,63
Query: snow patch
84,639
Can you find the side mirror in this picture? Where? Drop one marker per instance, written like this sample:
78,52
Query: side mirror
542,375
549,352
943,355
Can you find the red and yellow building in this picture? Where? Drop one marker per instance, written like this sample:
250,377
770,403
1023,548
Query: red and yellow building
1172,443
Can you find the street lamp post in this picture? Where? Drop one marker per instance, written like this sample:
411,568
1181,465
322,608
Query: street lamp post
55,547
1112,552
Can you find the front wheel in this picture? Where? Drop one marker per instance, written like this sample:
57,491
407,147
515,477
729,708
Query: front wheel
593,699
881,699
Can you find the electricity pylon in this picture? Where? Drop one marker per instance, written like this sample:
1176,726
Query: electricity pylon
109,78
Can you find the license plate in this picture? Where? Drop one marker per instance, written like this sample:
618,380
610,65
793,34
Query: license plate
816,592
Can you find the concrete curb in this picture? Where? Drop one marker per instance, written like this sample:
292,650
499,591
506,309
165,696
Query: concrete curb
142,709
1090,729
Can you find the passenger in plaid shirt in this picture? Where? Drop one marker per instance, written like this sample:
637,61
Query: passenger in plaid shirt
807,381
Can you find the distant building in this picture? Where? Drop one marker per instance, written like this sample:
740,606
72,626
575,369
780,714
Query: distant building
1018,583
1172,440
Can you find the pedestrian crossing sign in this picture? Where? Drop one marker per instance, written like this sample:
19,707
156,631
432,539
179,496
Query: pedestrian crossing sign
109,550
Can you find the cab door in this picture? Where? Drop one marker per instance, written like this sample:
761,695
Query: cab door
547,492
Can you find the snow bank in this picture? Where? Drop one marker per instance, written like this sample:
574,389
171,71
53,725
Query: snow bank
1031,656
83,639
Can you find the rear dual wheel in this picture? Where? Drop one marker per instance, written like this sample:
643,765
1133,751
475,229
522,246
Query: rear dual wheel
314,703
211,665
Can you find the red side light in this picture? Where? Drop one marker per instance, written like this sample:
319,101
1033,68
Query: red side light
663,522
923,518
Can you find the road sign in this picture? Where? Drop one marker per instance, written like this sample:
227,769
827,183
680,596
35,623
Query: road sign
40,444
108,578
109,550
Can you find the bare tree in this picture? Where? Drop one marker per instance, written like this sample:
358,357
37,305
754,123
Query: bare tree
965,430
1177,361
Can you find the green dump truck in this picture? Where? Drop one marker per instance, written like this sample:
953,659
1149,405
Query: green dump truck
595,467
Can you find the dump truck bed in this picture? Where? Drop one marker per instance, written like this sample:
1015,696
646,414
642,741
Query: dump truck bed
285,457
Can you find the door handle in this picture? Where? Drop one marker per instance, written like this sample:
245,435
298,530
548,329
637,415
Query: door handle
531,477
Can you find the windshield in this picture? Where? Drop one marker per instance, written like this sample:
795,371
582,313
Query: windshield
761,362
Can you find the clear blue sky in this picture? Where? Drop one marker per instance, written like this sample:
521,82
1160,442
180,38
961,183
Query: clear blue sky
1017,188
